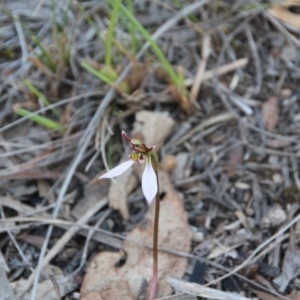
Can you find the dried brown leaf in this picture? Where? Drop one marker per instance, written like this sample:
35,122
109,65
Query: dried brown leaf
234,161
270,112
45,289
283,12
175,234
265,296
155,127
294,296
119,189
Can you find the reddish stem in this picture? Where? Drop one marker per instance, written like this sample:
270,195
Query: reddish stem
154,280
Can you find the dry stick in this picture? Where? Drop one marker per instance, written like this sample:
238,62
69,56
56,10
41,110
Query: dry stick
88,239
154,281
239,63
285,32
252,257
44,221
206,50
257,63
85,140
46,108
21,38
12,237
70,233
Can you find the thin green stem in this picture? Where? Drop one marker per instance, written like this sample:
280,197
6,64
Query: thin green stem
154,280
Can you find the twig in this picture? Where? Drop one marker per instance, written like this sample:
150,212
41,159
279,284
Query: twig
50,107
257,63
239,63
285,32
21,38
256,251
206,49
178,253
206,123
89,237
15,242
68,235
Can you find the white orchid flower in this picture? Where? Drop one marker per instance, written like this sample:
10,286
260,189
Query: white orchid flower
140,154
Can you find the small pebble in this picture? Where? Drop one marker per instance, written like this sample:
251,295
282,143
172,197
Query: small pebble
198,237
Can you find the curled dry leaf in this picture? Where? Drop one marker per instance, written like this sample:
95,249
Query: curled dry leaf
270,112
105,276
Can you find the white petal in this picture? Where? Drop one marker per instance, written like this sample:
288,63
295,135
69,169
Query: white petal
149,183
118,170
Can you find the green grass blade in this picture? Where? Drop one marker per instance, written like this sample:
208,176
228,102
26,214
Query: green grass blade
134,40
40,96
174,77
104,76
108,76
110,34
43,121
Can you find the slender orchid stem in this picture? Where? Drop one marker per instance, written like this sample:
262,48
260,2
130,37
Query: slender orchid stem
154,279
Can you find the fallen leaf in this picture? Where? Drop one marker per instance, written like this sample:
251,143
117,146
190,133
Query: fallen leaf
265,296
290,267
233,162
34,240
294,296
45,289
92,193
183,167
155,127
119,189
103,275
283,12
270,113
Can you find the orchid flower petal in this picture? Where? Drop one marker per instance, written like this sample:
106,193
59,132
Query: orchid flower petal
118,170
149,182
